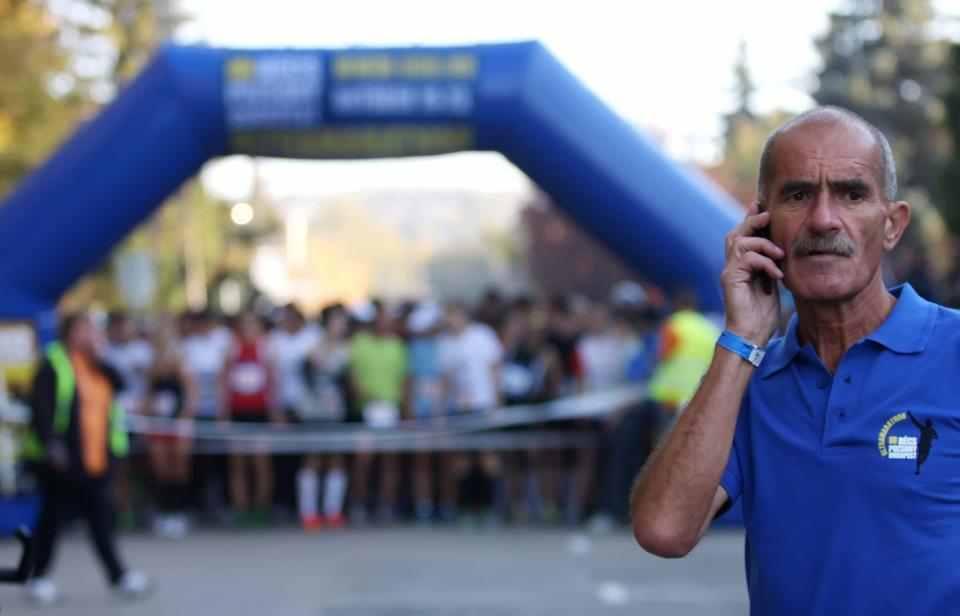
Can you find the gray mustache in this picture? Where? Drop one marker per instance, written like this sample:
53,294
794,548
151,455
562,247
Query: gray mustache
836,244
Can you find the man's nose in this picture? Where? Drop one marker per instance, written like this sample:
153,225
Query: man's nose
823,217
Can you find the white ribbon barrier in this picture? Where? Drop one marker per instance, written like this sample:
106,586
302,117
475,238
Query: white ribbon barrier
475,431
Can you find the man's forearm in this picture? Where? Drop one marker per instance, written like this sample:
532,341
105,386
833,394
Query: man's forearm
674,494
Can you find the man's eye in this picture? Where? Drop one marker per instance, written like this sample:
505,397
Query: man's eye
856,195
799,195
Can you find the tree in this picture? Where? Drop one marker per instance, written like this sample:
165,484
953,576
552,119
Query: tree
950,180
39,100
882,61
111,40
744,133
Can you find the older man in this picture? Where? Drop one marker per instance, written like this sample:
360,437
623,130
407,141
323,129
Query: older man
850,507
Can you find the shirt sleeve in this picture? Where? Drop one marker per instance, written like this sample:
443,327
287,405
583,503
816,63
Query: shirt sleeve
736,470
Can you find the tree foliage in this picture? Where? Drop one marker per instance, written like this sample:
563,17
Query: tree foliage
39,97
950,181
882,60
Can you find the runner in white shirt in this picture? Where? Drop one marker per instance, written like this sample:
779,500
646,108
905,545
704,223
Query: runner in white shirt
131,357
605,351
204,349
327,371
288,347
470,357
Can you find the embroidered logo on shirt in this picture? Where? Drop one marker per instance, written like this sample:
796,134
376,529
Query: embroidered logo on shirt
895,445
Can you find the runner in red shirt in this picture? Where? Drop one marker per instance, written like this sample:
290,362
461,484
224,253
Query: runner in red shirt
248,387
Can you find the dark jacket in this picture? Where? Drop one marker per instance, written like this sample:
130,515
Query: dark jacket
43,406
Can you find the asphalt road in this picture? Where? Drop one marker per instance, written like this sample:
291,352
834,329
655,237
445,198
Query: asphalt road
402,572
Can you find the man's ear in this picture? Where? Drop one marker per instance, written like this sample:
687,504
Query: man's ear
895,223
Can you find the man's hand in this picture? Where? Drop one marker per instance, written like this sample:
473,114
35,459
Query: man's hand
752,303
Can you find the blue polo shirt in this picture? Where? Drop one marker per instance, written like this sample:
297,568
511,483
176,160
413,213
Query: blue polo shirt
850,483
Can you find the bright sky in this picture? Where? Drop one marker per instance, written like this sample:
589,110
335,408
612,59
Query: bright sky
663,65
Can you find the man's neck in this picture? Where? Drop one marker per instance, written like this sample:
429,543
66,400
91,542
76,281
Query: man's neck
833,327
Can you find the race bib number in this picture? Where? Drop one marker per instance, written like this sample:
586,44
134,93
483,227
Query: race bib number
248,378
164,404
381,415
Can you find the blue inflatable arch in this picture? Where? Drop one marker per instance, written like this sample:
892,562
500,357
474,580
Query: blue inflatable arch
192,104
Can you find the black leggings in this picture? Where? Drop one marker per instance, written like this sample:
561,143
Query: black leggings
89,497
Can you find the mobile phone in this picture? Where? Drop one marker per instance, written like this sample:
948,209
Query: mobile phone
766,282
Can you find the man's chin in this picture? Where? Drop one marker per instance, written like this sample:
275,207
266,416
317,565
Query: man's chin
823,289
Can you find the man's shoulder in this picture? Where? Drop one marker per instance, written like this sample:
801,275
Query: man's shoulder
947,315
946,326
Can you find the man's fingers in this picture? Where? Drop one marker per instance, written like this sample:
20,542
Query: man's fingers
743,245
750,226
757,262
755,222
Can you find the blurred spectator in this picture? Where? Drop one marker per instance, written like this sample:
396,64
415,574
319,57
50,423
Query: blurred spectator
426,395
562,335
605,351
78,434
452,363
327,380
249,391
131,357
204,349
470,359
527,360
378,374
687,341
170,395
492,309
528,364
288,346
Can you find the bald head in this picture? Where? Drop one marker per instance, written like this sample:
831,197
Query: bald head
827,117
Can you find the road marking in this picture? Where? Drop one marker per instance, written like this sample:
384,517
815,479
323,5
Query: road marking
579,545
613,593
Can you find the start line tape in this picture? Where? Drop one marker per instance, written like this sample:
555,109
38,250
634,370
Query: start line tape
476,431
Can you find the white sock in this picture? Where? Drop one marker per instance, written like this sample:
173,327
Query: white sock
307,492
334,491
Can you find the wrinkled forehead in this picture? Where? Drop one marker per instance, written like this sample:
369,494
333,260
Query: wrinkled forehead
820,151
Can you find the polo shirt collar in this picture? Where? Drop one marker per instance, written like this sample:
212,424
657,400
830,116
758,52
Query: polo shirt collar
906,330
780,355
909,325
